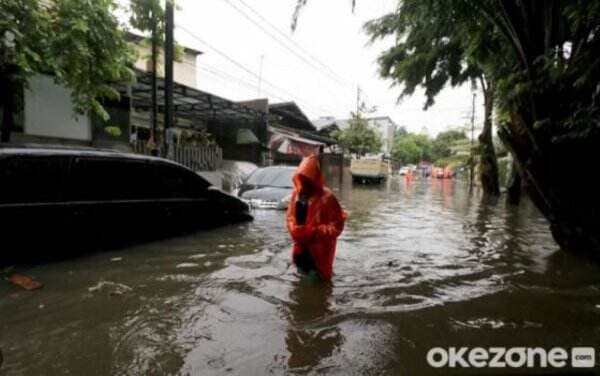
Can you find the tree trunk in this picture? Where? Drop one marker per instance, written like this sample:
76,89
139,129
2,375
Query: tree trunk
488,161
7,94
558,178
514,186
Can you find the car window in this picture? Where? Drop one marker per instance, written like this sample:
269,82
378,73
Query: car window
272,177
100,179
177,182
32,179
94,179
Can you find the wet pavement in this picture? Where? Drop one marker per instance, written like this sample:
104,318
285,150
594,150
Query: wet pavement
418,265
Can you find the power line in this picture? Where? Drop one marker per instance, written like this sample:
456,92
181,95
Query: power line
333,76
330,72
283,44
226,77
242,67
242,82
296,44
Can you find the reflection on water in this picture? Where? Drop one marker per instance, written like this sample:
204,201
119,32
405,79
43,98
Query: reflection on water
420,264
307,343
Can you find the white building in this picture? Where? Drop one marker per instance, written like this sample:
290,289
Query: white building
184,70
48,115
384,125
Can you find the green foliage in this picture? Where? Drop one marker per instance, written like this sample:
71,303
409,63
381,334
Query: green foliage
98,54
400,132
149,15
448,148
428,52
443,143
407,150
24,28
546,63
113,130
79,42
359,138
146,14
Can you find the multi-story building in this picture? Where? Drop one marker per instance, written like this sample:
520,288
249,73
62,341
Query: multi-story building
384,125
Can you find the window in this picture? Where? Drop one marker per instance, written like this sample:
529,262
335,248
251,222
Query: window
32,179
280,177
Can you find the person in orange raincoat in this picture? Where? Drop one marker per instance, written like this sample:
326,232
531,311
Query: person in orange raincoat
314,219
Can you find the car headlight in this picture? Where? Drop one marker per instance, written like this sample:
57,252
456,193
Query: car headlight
284,202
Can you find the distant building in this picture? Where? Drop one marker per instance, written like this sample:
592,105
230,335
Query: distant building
184,70
384,125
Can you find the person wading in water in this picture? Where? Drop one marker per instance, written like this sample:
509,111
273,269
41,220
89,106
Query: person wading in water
315,219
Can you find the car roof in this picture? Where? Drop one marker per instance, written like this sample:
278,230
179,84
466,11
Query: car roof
45,151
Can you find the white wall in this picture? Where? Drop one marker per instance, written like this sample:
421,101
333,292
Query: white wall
386,129
184,71
49,112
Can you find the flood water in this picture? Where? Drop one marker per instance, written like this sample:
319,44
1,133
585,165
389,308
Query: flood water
418,266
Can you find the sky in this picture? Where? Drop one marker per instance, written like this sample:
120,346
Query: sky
250,51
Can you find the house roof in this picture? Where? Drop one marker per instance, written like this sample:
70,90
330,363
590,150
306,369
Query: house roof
309,135
188,102
345,123
292,115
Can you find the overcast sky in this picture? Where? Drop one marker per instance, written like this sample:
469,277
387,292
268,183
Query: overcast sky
319,66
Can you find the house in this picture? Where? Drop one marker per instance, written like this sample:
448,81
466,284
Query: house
384,125
184,68
293,136
48,117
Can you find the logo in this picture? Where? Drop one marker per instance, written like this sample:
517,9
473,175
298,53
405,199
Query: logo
513,357
583,357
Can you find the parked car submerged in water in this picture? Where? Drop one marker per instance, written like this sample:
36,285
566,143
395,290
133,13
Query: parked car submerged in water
269,187
55,202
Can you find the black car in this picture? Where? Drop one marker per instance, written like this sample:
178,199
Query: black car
55,202
269,187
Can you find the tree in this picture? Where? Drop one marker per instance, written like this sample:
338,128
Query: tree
543,58
548,69
425,144
400,132
359,138
78,42
443,143
430,52
406,150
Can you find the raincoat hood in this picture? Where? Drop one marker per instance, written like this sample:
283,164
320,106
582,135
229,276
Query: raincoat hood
310,168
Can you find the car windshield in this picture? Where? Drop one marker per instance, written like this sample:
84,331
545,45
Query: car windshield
273,177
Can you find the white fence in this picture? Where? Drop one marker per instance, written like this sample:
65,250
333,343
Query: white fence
197,158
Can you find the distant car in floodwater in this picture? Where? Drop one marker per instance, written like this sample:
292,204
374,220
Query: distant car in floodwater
370,169
269,187
56,202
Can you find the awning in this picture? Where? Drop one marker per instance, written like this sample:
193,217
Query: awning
188,102
286,143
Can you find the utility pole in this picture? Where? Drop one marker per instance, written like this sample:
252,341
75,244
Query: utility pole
154,112
169,49
358,101
472,172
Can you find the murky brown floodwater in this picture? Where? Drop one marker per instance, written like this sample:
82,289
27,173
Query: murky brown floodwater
418,266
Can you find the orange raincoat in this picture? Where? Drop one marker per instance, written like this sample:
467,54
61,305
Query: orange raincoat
324,221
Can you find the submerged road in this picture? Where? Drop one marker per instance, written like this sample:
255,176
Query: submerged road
418,266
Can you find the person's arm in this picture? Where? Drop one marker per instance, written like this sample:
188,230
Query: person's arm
336,218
